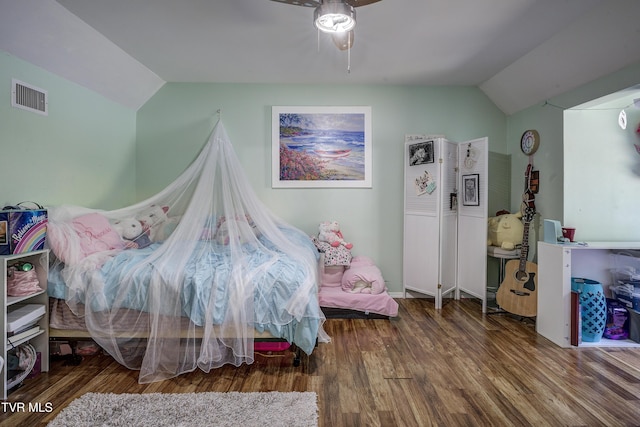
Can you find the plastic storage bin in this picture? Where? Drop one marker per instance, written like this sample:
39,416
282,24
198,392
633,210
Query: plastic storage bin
634,325
626,278
627,294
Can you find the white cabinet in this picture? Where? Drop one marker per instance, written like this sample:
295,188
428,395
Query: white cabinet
557,264
40,339
445,224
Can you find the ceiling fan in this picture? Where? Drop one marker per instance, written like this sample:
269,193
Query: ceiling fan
337,17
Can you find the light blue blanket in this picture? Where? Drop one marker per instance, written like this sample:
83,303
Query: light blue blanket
207,276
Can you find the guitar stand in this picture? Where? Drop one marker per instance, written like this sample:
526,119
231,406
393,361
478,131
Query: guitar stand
499,310
503,256
495,310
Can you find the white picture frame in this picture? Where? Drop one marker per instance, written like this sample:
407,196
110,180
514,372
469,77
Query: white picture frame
321,147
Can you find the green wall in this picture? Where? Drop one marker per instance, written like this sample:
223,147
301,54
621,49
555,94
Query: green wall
90,151
602,171
175,123
82,153
588,141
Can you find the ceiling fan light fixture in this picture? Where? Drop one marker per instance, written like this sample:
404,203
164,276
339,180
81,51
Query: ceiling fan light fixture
344,40
334,17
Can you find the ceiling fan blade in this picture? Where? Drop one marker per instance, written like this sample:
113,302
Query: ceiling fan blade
357,3
343,40
316,3
305,3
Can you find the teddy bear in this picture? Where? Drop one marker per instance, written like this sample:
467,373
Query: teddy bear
156,221
329,231
505,231
132,232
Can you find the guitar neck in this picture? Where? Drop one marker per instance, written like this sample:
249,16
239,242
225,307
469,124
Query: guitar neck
530,209
524,250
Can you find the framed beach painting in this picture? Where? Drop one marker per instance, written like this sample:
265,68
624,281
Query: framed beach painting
320,147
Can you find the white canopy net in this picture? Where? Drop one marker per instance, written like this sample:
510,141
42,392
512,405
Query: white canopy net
183,279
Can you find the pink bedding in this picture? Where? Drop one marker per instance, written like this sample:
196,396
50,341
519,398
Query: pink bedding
87,234
335,297
337,285
363,277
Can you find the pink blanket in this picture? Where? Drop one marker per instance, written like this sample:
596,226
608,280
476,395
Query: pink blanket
363,277
337,298
337,292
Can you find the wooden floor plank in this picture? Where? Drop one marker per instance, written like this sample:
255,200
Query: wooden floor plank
453,367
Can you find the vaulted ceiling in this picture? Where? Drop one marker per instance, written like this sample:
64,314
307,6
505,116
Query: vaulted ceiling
519,52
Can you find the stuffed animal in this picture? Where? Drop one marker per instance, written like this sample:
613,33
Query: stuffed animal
156,221
209,230
505,231
244,229
132,233
329,231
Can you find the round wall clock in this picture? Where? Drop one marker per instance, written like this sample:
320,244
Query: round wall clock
529,142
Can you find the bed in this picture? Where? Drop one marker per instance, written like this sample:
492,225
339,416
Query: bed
284,279
188,278
128,325
355,290
67,327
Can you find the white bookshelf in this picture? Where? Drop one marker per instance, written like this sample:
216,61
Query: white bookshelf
40,339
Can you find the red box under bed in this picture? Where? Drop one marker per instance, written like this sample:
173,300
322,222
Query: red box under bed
271,346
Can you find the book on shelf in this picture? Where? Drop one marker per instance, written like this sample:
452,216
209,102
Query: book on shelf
20,335
23,328
21,316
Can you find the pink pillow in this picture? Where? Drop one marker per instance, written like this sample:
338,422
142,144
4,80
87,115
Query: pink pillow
96,234
363,278
361,261
332,276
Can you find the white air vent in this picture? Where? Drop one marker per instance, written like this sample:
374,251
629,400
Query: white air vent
28,97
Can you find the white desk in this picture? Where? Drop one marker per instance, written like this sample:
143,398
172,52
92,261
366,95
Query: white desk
557,264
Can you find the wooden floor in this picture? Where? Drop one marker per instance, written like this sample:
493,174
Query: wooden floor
453,367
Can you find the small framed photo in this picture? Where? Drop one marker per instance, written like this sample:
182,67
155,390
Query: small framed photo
471,190
421,153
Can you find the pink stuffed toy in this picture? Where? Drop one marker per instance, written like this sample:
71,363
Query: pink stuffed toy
329,231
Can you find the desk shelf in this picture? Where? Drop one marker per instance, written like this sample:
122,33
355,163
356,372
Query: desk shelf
557,264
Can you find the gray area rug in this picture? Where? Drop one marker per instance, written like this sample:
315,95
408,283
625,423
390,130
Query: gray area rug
298,409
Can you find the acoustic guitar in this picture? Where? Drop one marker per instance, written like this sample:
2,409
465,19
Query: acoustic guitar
518,292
